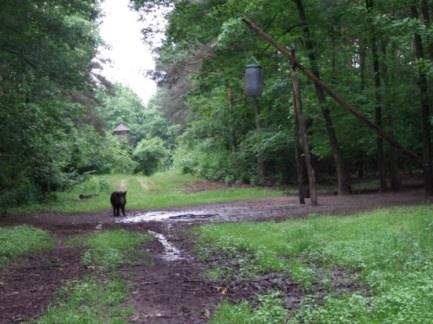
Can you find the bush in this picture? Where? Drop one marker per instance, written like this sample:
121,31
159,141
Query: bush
151,155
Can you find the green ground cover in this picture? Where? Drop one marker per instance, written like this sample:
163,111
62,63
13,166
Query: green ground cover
89,301
108,250
161,190
390,250
100,298
21,240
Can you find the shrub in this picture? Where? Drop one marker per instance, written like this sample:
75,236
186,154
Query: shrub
151,155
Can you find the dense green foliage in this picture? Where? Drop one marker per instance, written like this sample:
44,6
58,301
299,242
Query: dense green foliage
202,67
387,251
21,240
56,119
46,50
150,155
124,106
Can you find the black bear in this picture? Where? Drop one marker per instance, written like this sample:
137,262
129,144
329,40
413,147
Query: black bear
118,201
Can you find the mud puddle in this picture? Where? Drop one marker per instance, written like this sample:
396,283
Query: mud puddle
171,253
161,216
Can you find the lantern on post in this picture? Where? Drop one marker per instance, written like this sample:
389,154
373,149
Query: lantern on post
254,80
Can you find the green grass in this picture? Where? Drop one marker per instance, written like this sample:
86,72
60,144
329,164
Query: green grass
21,240
269,311
109,249
161,190
390,250
89,301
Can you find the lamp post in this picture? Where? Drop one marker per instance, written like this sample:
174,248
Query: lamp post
254,83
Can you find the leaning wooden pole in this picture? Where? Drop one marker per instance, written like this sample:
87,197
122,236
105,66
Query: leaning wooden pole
298,160
299,115
379,131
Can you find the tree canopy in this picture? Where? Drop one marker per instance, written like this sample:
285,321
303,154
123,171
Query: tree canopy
376,54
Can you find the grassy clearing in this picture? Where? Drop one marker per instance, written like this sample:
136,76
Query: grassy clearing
389,249
21,240
89,301
161,190
99,298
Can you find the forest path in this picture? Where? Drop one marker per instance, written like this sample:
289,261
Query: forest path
277,208
123,185
163,290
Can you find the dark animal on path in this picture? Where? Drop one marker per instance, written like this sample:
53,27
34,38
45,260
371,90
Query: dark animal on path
118,201
83,196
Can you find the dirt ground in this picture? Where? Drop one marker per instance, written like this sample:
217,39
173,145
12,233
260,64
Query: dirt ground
163,290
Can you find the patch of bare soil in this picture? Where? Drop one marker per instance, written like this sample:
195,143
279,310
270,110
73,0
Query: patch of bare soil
29,285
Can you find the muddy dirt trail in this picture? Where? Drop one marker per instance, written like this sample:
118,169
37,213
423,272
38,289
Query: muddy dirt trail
166,285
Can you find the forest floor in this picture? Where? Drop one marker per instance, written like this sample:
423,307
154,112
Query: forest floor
169,286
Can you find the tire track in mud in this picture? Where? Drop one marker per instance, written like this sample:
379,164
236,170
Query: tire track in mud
31,283
166,289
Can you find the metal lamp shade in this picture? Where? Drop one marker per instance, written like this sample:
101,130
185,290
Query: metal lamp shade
254,80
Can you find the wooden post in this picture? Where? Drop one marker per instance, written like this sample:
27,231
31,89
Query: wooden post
261,170
298,160
299,115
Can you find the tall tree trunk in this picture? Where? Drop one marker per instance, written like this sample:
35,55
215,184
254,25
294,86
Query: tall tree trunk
378,105
427,21
425,112
362,65
261,170
298,159
299,115
342,176
394,173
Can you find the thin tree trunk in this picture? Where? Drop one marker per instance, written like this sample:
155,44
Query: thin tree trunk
231,104
261,171
298,159
362,65
303,134
425,112
427,21
342,178
378,106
